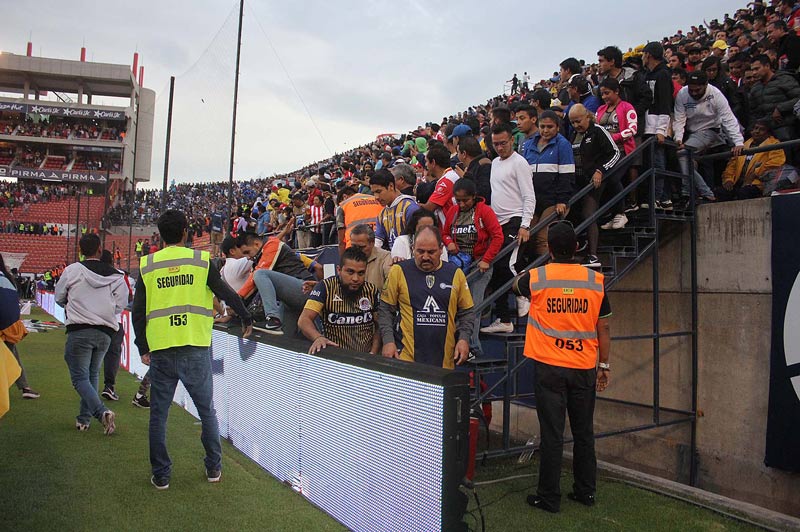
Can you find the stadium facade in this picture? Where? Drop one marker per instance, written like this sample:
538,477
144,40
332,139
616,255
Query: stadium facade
51,129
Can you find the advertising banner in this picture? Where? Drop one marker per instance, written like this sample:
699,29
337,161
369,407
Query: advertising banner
783,421
67,111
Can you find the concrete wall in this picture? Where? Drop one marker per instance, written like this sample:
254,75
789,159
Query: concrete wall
735,303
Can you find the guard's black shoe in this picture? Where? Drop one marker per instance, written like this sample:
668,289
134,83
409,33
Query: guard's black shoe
538,502
586,500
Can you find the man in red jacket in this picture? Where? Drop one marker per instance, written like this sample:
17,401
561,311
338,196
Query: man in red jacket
471,228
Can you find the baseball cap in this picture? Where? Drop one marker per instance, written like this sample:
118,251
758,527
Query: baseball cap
461,130
719,44
562,240
696,77
655,49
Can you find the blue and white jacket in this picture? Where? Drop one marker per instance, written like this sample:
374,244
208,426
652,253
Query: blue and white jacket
553,170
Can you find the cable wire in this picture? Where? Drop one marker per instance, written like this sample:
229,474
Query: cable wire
291,81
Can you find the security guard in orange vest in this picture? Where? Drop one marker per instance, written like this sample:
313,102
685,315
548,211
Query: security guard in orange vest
355,209
567,330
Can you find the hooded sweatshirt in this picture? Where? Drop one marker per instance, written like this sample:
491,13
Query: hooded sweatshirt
92,294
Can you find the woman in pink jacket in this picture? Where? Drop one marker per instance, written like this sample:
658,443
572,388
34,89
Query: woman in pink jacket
619,118
472,227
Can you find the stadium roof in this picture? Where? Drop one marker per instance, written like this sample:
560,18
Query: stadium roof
61,75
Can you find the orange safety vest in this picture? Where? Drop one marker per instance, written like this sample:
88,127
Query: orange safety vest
359,209
562,323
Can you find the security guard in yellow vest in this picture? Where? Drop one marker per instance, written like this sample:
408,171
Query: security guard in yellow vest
172,319
138,248
569,339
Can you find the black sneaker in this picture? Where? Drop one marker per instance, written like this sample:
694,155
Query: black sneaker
109,393
586,500
272,326
140,401
27,393
591,261
631,208
213,475
664,205
160,483
538,502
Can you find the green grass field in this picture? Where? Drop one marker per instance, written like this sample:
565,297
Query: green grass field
53,477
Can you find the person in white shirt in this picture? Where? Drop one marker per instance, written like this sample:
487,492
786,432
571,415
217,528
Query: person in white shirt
514,202
401,249
702,116
235,271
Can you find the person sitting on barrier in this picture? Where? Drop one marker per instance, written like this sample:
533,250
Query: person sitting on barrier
378,260
397,209
567,330
434,304
235,269
347,305
750,176
401,250
278,275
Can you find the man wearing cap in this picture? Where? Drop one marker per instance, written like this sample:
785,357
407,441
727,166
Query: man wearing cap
461,130
579,92
702,113
569,339
718,48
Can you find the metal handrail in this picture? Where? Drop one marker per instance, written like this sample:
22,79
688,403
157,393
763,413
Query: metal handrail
751,151
602,209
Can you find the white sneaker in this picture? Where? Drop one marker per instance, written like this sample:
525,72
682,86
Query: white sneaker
523,306
498,327
618,222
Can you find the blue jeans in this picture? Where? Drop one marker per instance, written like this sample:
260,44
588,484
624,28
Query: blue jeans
698,142
274,286
84,352
660,162
477,288
192,366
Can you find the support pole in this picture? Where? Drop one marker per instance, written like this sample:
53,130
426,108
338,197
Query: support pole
166,148
235,105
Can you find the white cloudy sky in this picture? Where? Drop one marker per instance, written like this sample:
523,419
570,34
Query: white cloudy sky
361,68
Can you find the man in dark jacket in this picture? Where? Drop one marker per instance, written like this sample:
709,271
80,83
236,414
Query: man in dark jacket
773,98
633,87
477,167
658,112
596,153
787,44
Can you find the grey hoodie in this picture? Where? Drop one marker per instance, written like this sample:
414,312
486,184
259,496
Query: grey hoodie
92,294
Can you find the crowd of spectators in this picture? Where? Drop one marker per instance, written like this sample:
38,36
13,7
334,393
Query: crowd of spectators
59,128
722,86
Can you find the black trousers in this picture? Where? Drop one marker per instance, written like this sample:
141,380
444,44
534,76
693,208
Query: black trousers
560,390
501,273
111,360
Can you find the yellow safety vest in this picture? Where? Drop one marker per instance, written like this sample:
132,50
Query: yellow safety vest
48,276
179,309
139,246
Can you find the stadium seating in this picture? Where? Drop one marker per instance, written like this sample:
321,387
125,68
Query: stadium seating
59,211
54,162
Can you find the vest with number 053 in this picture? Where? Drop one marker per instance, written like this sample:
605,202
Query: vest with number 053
179,307
562,323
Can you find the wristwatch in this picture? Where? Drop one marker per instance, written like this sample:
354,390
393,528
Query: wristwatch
604,365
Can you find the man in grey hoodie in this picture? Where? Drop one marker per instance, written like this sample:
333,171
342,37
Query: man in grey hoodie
93,294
